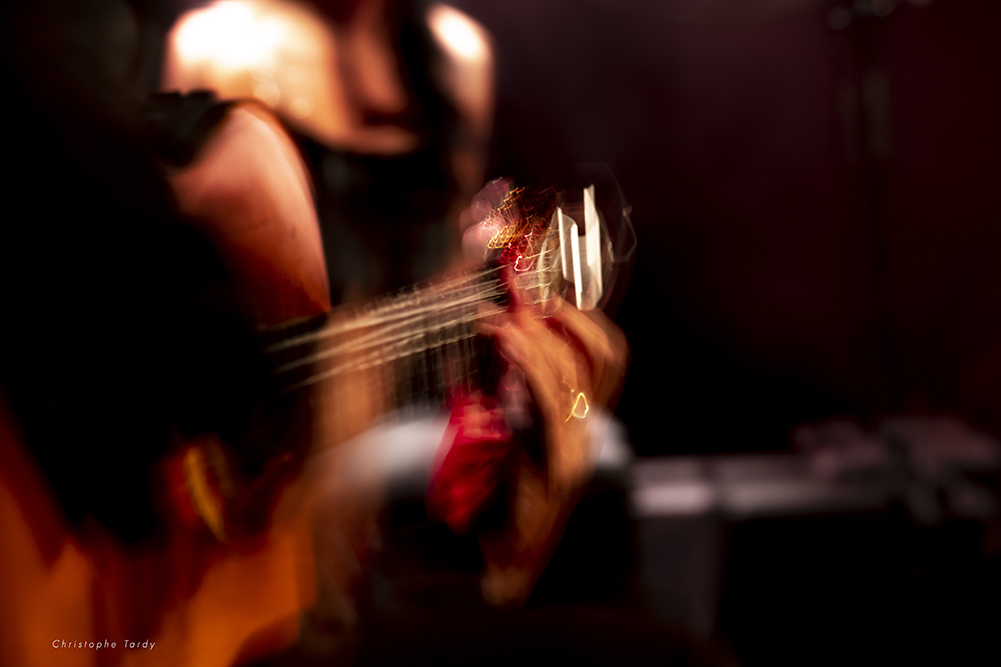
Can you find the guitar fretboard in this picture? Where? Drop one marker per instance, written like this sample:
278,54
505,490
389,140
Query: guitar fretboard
416,348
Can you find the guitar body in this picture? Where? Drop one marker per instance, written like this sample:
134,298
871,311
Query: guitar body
194,600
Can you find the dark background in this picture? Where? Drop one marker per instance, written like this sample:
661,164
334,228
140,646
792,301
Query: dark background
815,191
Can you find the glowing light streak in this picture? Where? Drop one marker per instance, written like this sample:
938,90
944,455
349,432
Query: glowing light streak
526,267
592,250
578,281
578,412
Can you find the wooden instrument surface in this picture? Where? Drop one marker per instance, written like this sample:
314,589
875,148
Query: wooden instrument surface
199,602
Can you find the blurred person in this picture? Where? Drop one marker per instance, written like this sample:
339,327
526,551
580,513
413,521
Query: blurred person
145,506
115,498
391,103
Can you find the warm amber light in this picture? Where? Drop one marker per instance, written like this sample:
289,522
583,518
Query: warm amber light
229,33
458,32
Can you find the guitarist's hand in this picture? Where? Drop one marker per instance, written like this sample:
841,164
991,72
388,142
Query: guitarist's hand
573,364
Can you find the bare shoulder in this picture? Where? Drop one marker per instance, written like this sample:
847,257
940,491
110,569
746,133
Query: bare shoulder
249,164
251,147
249,191
467,70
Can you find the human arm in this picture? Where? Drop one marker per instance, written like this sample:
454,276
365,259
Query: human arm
573,365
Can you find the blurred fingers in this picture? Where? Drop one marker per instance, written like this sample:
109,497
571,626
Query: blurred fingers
602,343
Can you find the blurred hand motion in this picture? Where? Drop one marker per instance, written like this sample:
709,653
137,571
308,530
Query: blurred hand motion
561,364
573,363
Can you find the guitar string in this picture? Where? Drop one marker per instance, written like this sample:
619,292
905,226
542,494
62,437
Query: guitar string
396,329
384,355
382,306
395,305
392,338
383,336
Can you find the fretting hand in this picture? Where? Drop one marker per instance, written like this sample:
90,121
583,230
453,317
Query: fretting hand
573,365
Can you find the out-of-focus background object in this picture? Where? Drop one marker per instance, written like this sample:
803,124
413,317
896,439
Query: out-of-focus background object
814,186
862,547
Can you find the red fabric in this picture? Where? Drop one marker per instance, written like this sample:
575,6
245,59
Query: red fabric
471,456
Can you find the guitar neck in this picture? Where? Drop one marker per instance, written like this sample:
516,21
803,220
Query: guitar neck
414,349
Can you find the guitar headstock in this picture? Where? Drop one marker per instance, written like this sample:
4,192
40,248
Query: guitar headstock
558,242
